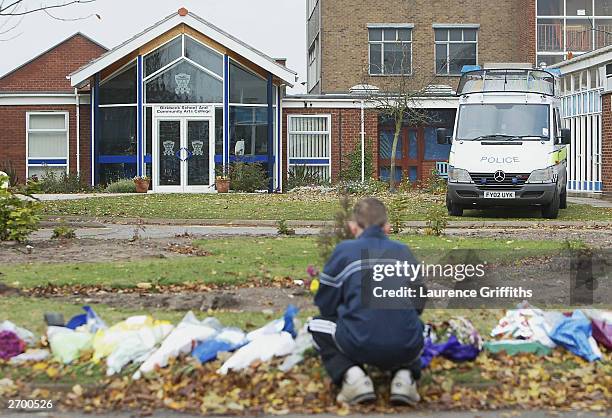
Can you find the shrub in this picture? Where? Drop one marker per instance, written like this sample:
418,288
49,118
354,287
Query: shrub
7,167
436,221
283,229
63,232
301,176
434,183
331,235
121,186
19,216
248,177
51,182
352,172
369,187
397,207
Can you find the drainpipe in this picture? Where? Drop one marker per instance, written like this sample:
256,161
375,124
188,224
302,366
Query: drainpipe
78,132
362,141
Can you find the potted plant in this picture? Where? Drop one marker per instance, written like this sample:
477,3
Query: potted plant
222,180
142,184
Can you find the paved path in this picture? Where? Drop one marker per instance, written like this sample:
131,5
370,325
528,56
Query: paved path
408,413
598,203
74,196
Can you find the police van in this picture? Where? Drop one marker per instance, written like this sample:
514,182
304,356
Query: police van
508,147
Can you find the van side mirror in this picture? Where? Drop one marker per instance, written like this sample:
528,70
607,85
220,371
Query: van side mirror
566,136
442,136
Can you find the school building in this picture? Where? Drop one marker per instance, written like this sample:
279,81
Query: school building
183,98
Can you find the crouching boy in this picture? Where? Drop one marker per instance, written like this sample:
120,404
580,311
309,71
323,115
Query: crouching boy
349,335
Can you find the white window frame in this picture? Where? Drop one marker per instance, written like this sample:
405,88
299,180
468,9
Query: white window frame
382,42
448,42
327,132
66,130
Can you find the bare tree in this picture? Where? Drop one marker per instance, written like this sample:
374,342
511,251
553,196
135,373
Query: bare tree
397,100
12,13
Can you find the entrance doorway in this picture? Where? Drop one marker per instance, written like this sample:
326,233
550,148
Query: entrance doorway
183,155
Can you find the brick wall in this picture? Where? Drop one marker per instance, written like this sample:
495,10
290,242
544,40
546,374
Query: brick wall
606,144
345,134
13,136
48,72
507,34
525,20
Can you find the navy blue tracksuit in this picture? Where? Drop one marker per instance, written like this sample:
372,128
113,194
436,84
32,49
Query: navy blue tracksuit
348,333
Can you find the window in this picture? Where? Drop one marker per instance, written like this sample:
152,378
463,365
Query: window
246,87
248,130
313,64
455,47
163,56
309,145
204,56
550,7
183,82
390,50
47,143
120,88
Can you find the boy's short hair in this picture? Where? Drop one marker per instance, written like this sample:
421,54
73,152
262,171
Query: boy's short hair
370,212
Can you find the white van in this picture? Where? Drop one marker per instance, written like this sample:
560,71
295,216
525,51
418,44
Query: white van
508,147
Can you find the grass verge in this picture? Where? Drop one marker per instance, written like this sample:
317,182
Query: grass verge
278,206
235,260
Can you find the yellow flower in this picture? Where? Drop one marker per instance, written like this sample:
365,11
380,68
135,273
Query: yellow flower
314,285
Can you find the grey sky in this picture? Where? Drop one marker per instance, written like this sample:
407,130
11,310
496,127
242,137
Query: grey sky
276,27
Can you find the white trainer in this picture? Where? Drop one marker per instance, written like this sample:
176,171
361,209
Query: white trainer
404,388
357,387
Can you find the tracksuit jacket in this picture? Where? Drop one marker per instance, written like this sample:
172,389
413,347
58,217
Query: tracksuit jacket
381,337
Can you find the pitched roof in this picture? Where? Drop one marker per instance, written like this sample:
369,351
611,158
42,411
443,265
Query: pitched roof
74,35
80,76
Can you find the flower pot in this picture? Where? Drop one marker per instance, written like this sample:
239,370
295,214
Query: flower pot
223,185
142,186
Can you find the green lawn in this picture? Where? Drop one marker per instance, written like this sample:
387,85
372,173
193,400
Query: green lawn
235,260
274,207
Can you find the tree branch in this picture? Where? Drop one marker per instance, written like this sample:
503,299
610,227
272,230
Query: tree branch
41,8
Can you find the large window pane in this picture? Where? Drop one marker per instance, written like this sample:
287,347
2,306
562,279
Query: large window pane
204,56
603,32
120,89
47,145
184,83
246,87
49,121
375,58
249,129
579,35
549,59
460,55
603,7
441,57
550,7
579,8
550,35
118,131
113,172
397,58
42,170
163,56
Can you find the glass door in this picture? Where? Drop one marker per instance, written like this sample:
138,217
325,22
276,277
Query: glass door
169,175
184,155
200,168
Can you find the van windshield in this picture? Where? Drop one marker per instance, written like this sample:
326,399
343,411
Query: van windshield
503,122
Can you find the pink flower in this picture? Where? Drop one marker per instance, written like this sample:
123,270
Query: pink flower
312,271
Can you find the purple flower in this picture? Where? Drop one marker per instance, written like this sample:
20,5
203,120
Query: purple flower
312,271
10,345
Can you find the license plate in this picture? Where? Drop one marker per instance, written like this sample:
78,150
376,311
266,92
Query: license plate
499,195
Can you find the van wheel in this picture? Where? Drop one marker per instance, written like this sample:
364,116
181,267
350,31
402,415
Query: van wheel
563,200
551,211
453,208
